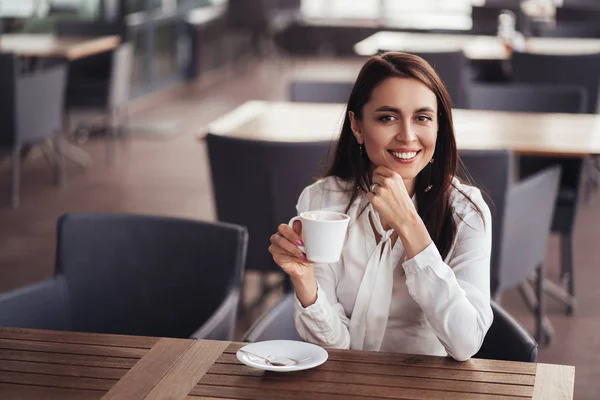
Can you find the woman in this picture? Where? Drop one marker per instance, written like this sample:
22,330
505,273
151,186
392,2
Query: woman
414,272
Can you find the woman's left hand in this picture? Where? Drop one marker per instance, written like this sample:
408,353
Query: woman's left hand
391,199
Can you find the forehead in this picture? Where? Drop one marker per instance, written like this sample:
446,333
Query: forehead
403,93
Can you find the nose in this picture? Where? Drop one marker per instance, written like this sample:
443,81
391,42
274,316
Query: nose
405,132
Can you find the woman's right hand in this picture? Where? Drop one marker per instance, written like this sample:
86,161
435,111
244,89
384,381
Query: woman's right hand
286,254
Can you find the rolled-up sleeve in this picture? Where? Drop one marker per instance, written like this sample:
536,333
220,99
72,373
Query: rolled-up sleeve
455,296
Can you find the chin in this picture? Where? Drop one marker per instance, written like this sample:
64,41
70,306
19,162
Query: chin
405,171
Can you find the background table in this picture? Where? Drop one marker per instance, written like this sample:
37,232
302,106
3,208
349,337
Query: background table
43,46
474,47
572,135
38,47
38,364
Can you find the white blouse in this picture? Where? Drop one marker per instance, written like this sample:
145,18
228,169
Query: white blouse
426,306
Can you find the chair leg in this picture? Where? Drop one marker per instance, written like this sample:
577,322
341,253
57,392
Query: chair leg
123,132
59,163
529,297
542,334
566,264
15,176
111,137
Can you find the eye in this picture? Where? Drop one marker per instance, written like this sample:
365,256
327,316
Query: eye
386,118
424,118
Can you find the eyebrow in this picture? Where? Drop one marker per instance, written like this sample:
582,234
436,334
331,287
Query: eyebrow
397,111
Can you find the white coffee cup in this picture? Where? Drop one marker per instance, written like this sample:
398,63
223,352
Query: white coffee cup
324,234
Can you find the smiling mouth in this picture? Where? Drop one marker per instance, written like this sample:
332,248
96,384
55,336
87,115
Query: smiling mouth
404,155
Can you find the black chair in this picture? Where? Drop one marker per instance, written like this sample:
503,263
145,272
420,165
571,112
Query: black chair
31,110
262,20
96,68
485,18
527,97
506,339
580,29
137,275
492,171
545,97
271,176
454,70
582,12
579,70
100,82
320,91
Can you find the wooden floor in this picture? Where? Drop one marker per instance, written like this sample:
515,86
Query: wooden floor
168,175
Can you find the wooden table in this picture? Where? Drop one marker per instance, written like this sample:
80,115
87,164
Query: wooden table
572,135
474,47
43,46
37,364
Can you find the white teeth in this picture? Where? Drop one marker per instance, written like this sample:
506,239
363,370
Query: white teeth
405,156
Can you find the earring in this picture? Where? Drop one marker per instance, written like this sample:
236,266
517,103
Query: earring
360,150
429,186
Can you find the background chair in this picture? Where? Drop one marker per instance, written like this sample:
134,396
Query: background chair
485,18
275,324
100,82
527,97
580,29
137,275
588,11
579,70
31,109
454,69
320,91
526,229
544,97
505,340
271,176
263,20
492,171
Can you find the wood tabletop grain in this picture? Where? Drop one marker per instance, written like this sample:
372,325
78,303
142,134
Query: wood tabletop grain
373,375
42,45
51,365
571,135
475,47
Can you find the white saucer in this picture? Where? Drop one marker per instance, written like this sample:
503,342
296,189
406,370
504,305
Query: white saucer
308,355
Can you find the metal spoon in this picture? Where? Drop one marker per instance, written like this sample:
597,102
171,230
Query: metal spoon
273,363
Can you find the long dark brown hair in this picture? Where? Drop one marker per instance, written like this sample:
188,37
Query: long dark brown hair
353,165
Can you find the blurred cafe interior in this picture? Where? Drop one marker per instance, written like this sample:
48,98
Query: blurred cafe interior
150,148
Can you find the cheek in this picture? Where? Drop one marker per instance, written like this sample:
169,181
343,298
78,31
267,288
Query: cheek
428,140
376,138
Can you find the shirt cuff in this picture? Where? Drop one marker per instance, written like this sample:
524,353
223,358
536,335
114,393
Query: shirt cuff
429,256
316,307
